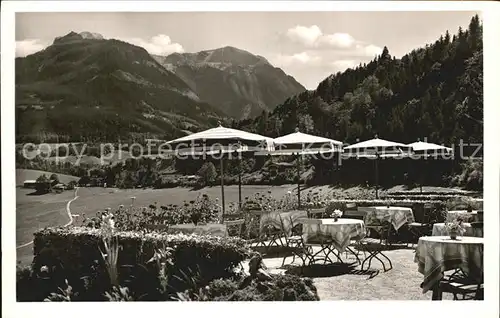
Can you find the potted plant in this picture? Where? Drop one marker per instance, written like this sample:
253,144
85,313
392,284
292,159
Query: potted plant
336,214
455,228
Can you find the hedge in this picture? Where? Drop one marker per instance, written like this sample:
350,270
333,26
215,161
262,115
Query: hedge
425,197
445,193
383,202
76,251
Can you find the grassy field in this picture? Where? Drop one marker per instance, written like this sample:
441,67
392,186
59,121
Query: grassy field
25,174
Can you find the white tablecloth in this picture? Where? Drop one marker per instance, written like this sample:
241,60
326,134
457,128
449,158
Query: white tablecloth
273,219
439,229
437,254
339,233
397,216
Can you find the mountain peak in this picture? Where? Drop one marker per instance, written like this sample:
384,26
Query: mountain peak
223,55
91,35
233,55
73,36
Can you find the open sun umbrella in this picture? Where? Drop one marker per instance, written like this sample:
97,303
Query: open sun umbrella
301,144
217,142
424,150
375,149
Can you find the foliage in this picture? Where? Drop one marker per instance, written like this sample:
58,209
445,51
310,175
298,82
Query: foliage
54,179
111,248
279,288
455,227
208,173
71,185
471,177
77,250
200,210
433,92
118,294
43,184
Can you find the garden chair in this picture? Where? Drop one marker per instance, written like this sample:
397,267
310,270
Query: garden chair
235,224
373,246
354,212
478,228
269,235
326,247
295,242
469,287
422,225
316,213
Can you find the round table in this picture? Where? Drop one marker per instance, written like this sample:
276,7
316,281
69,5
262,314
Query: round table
439,229
339,233
437,254
397,216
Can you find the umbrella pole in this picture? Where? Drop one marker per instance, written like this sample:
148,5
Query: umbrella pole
376,177
422,178
298,180
222,187
239,182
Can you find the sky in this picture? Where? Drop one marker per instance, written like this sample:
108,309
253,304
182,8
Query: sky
307,45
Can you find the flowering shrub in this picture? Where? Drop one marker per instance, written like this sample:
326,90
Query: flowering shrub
266,202
455,227
315,200
200,210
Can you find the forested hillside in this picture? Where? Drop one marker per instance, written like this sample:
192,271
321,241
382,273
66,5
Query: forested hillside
434,92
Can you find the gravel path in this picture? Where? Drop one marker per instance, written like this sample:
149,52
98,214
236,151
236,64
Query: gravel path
338,283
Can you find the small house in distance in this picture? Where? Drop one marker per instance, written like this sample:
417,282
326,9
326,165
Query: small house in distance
29,184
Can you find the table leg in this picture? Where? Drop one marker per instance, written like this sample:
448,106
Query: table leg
436,292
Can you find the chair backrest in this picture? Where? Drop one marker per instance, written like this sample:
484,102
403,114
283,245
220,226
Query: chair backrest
237,224
480,216
295,228
358,213
351,206
315,213
419,212
477,225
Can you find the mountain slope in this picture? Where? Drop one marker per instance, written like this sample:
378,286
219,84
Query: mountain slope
239,83
84,87
435,92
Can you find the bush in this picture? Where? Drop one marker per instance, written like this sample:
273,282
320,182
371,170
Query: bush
76,250
208,173
201,210
278,288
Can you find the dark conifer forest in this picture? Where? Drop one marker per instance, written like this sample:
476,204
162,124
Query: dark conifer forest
434,92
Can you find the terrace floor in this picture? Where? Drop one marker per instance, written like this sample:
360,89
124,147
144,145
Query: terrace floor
339,282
